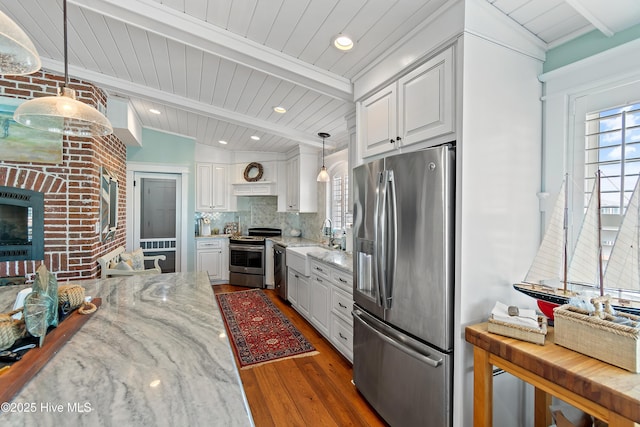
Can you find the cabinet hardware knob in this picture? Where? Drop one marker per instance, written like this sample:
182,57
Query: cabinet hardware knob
342,305
398,139
342,280
391,141
342,336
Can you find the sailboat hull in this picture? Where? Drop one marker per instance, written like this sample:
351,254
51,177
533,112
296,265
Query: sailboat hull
559,297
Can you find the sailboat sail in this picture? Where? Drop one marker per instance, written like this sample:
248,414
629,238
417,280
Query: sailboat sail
548,265
623,268
584,265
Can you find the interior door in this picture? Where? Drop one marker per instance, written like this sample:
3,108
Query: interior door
157,216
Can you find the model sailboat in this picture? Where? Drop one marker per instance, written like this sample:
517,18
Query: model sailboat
551,274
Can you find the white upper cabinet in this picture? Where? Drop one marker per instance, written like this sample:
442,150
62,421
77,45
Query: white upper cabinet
415,108
302,187
212,187
425,100
378,121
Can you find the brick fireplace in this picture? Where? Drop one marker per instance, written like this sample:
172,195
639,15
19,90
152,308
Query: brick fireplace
72,242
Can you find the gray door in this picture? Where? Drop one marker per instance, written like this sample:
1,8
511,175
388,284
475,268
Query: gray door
156,219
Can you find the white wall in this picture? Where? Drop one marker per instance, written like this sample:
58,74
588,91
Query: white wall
499,167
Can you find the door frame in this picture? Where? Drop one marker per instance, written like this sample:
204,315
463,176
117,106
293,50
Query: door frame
134,167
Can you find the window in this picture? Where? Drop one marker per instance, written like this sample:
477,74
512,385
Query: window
613,147
339,211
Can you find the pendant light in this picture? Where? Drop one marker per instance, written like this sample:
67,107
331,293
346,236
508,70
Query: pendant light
18,55
323,176
63,113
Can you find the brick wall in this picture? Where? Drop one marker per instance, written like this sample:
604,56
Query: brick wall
71,188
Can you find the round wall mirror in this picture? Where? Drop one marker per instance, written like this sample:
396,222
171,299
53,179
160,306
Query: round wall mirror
253,172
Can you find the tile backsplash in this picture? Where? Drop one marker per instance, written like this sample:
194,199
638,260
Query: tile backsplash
262,211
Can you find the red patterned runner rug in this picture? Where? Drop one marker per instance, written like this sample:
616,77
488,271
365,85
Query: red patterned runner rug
258,330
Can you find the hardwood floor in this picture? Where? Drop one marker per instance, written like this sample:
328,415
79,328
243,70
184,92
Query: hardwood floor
305,391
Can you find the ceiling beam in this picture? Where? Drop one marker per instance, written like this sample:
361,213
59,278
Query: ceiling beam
183,28
127,88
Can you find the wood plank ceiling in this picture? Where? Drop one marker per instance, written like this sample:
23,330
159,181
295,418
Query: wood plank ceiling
215,69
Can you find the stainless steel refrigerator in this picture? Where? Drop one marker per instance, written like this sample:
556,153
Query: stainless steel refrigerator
403,285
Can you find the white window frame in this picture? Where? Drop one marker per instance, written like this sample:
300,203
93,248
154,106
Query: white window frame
602,81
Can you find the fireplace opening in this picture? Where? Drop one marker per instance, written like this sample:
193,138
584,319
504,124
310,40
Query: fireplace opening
21,224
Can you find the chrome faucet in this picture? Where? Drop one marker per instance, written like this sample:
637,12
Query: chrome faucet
328,232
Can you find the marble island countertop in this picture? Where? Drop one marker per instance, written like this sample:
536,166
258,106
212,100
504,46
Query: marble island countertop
155,353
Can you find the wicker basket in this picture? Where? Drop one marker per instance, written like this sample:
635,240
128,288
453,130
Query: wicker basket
598,336
533,335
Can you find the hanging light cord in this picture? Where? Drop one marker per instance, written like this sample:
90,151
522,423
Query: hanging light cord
66,61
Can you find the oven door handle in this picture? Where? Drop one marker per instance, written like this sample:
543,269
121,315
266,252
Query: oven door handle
253,248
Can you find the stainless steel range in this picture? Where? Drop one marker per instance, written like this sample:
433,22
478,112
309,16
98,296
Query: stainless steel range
247,258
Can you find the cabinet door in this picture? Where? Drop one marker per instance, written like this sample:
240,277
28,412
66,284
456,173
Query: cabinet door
220,187
211,262
204,191
342,336
319,305
292,287
425,100
303,295
378,120
293,184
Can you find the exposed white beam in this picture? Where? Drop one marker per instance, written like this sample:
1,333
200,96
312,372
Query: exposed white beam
609,17
128,88
181,27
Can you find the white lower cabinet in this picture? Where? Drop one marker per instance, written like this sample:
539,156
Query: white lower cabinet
331,305
342,336
212,256
325,299
320,304
298,292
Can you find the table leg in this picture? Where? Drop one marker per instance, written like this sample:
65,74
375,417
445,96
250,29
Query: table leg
482,389
542,414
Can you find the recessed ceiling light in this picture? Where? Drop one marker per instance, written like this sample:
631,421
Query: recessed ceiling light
223,142
255,137
154,111
343,42
280,109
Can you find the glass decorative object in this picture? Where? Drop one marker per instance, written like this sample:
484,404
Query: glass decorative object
41,305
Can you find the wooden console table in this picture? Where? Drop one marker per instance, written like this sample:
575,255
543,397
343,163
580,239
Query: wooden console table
602,390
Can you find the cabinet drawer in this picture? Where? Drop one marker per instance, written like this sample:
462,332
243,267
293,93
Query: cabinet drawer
320,269
342,279
342,336
209,244
342,304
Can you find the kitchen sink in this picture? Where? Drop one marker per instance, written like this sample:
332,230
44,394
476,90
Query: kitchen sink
298,260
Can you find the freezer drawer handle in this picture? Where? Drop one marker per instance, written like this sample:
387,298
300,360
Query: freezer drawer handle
384,335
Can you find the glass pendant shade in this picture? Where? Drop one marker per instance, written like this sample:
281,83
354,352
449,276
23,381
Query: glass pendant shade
18,55
63,114
323,176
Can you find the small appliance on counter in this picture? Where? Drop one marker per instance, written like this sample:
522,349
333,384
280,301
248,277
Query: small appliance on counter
205,226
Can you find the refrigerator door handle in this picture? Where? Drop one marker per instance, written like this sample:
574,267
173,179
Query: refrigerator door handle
393,338
385,237
391,243
378,238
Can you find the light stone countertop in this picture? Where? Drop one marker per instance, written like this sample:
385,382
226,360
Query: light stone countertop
335,258
154,354
290,241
